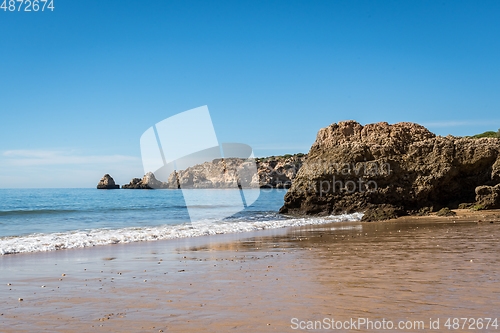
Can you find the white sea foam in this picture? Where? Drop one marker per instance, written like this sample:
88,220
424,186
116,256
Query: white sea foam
87,238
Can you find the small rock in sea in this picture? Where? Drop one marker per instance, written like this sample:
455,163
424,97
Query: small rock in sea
145,280
9,284
63,275
43,286
20,300
107,183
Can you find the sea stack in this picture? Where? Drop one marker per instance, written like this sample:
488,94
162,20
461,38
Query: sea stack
107,183
391,170
147,182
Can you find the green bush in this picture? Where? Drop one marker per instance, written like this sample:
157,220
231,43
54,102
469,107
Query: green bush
488,134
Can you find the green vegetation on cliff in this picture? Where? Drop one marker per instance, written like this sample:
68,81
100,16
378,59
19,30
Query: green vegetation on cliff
278,158
487,134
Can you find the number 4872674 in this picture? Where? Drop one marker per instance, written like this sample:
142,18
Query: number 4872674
35,5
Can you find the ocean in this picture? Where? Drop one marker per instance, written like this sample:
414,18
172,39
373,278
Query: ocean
35,220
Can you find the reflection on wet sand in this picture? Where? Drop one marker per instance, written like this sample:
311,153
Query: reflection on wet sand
408,269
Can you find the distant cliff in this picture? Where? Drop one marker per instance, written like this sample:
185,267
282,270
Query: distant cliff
279,171
272,172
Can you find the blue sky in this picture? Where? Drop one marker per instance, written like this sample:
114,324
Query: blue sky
79,85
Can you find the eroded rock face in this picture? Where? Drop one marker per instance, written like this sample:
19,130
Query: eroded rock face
402,168
279,173
173,181
220,173
107,183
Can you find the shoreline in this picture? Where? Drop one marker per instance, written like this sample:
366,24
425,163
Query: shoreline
463,215
75,239
218,230
258,281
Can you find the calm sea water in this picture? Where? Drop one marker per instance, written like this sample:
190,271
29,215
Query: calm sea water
34,220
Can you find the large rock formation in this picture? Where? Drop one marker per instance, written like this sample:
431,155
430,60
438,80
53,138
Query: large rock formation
107,183
390,170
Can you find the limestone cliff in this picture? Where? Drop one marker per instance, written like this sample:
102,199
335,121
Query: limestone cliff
280,171
272,172
390,170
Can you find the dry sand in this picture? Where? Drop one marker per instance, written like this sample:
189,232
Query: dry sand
412,268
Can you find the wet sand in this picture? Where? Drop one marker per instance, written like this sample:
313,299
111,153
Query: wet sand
412,268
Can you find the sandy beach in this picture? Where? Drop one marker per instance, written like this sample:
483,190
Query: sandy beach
412,268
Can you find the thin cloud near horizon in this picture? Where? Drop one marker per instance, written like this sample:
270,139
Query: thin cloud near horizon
23,157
